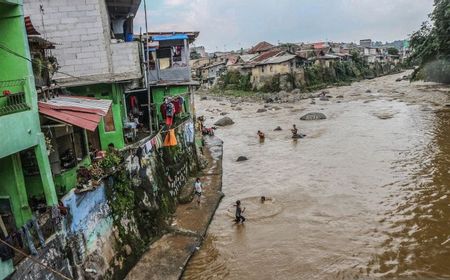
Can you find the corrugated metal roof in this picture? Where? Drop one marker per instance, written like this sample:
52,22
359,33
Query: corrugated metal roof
29,26
79,111
81,103
278,59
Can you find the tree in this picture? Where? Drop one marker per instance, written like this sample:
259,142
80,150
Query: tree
392,51
431,45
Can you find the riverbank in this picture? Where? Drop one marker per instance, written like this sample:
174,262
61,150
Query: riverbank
167,257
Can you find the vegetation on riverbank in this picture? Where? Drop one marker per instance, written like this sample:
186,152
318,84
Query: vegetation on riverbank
314,77
431,46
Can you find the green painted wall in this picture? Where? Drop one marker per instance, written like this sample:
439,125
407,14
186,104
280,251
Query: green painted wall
112,92
23,128
66,181
159,93
20,131
13,186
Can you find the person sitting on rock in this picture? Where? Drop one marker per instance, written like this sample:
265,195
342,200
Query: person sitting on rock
261,135
295,134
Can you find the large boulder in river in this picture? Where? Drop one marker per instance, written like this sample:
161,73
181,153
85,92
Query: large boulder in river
313,117
224,121
241,158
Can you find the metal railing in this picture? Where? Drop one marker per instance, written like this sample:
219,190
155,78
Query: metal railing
13,103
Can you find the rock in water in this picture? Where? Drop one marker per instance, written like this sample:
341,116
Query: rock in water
340,96
241,158
261,110
313,117
278,128
224,121
203,98
368,91
223,113
323,98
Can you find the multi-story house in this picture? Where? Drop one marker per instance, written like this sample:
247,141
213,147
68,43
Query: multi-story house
24,165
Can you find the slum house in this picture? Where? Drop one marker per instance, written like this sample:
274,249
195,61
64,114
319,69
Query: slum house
240,63
261,47
279,64
23,152
212,73
169,76
96,54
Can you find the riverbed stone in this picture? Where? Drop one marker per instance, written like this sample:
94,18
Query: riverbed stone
242,158
313,116
224,122
223,113
261,110
278,128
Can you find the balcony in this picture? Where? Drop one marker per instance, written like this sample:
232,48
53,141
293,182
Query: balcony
180,74
12,97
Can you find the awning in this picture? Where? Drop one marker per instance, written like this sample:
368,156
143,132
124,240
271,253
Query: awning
83,112
170,37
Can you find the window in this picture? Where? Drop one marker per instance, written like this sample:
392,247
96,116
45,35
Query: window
262,69
109,121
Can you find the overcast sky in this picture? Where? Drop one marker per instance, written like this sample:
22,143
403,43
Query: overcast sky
232,24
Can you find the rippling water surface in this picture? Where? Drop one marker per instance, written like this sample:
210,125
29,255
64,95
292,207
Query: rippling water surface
365,195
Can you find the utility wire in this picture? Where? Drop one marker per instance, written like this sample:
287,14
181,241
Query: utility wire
5,48
36,261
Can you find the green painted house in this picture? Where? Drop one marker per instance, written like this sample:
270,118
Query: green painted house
22,148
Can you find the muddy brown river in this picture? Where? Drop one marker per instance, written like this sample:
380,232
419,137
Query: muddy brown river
365,195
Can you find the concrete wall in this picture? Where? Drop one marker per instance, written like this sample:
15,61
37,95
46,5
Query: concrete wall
125,59
81,31
181,74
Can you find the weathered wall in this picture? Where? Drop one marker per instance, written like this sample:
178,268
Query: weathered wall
81,31
109,228
77,27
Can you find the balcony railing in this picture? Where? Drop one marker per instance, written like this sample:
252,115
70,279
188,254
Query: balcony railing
13,103
12,97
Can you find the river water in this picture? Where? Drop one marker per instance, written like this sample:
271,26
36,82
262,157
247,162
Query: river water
365,195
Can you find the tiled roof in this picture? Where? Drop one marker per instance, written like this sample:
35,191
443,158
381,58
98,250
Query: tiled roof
261,47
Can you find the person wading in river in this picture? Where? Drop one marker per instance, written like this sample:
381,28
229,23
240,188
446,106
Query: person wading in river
198,188
261,135
239,211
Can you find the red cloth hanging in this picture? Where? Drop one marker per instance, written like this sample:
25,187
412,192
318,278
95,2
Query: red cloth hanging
163,110
133,103
169,121
176,105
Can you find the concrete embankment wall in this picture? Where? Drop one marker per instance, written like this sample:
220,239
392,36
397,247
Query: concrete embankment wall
108,229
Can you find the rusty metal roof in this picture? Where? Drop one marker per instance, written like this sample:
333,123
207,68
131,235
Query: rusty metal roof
80,111
261,47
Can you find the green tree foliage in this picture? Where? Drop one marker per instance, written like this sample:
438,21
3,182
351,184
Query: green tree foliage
234,80
392,51
431,45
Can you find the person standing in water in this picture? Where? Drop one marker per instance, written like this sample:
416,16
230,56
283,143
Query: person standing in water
198,188
294,131
261,135
239,211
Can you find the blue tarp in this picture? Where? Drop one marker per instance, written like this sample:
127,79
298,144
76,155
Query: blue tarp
169,37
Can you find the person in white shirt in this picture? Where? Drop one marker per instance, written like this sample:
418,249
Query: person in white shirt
198,188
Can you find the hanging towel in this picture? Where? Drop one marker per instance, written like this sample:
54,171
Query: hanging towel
189,132
159,141
148,147
171,139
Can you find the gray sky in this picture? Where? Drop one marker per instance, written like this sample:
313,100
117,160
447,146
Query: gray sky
232,24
